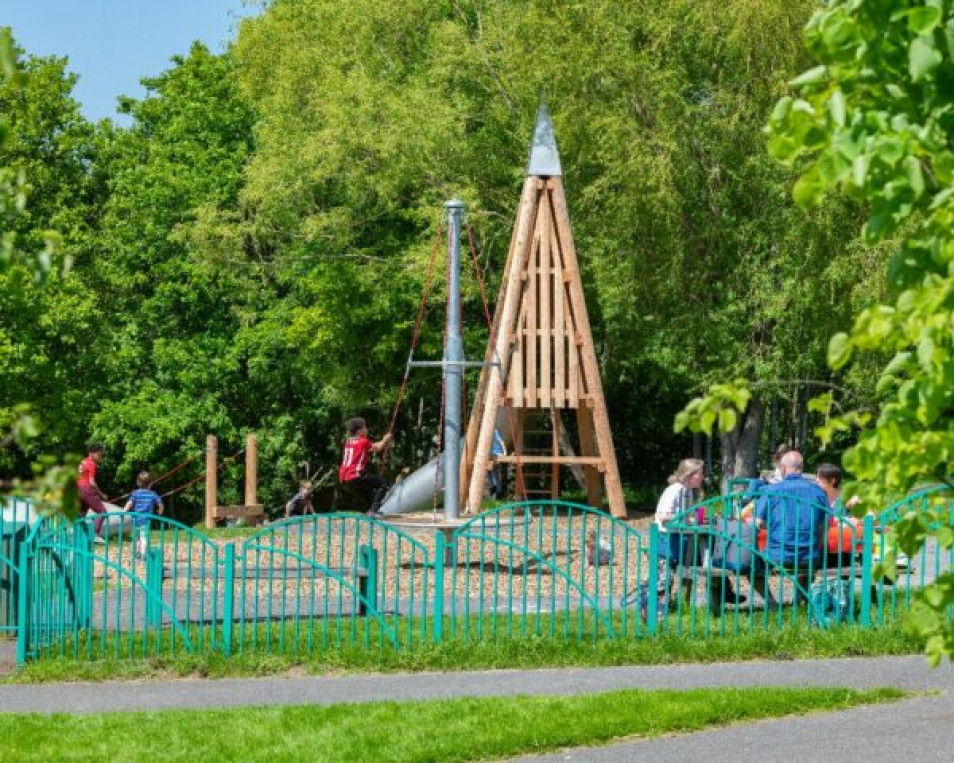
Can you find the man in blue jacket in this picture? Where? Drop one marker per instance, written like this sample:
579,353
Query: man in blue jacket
793,513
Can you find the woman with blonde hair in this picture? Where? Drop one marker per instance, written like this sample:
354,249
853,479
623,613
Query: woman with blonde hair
685,490
685,484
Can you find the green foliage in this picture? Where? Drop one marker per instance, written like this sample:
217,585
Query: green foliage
873,120
42,150
250,252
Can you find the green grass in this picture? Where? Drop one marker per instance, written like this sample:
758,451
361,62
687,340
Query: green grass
793,641
448,730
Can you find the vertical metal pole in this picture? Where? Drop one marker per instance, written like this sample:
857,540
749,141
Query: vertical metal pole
24,605
154,592
228,600
652,580
83,574
439,557
867,561
453,359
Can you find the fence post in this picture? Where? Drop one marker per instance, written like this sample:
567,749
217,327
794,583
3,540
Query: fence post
23,605
228,599
83,573
154,588
867,558
439,552
652,582
367,579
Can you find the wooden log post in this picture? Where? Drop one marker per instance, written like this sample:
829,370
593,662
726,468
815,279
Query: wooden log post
496,375
211,479
480,398
251,470
604,437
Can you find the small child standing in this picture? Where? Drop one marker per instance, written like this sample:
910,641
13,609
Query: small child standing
145,503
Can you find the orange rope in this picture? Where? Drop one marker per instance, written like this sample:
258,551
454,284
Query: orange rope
438,235
158,479
190,483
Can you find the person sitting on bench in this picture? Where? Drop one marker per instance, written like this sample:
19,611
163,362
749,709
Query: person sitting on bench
793,511
356,459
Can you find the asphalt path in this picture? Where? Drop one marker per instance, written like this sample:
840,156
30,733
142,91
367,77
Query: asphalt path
919,730
902,672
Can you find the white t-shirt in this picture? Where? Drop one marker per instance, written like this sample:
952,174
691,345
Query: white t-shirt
675,498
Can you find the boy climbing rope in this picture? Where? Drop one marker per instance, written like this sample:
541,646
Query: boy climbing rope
355,462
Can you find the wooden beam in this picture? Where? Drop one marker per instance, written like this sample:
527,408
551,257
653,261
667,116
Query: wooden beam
592,461
594,386
508,318
545,335
473,424
211,479
594,492
243,512
251,469
559,325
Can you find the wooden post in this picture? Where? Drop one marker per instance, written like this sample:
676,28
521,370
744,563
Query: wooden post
211,479
594,492
555,468
251,470
480,398
604,437
496,375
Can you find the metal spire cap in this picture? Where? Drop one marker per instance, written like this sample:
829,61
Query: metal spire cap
544,157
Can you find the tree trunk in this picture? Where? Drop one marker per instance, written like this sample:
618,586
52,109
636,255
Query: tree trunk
740,447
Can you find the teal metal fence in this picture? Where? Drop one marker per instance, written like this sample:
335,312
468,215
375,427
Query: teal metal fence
542,569
328,580
16,514
549,568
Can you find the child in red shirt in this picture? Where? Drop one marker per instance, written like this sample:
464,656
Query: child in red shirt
91,497
355,462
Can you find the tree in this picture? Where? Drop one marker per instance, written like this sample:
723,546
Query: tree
696,263
873,121
41,140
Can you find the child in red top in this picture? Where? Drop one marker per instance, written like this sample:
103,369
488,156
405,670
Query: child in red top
91,497
355,462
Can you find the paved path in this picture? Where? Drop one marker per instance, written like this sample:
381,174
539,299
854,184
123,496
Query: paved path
903,672
920,730
914,731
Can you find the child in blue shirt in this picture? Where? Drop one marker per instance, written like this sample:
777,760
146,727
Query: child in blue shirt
145,503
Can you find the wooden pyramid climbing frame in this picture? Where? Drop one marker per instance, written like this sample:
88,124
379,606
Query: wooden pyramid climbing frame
540,359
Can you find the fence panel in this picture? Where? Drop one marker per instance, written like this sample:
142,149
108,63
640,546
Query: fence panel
103,587
722,572
544,567
331,581
934,508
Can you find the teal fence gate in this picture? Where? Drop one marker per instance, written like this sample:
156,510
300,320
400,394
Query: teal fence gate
105,587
